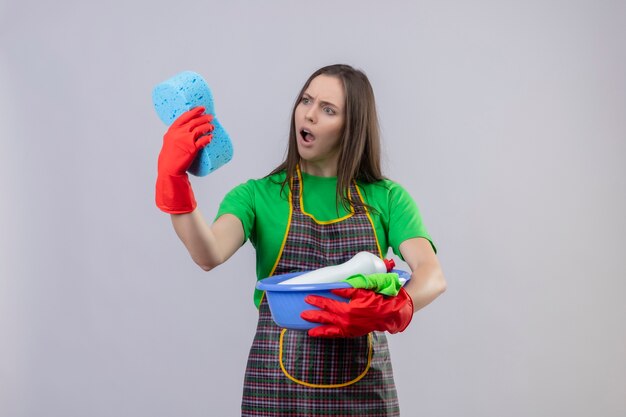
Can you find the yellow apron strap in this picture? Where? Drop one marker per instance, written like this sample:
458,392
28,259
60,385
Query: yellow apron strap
344,384
282,246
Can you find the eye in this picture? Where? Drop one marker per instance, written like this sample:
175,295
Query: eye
305,100
329,110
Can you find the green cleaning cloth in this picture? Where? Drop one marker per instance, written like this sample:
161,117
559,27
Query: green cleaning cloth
385,283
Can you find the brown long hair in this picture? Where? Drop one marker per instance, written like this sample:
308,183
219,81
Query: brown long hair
359,154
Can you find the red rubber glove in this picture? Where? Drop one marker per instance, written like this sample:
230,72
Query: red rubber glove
365,312
181,143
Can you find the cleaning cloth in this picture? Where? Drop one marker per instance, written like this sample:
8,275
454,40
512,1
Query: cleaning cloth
383,283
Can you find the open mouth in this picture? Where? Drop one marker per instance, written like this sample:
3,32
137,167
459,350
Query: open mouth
307,136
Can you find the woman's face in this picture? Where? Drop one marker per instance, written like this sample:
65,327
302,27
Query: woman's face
319,122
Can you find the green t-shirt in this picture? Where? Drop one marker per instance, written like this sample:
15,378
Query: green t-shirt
263,209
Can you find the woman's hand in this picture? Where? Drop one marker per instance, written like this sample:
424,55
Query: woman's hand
181,143
365,312
183,140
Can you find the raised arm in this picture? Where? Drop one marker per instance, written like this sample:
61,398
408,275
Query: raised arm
209,246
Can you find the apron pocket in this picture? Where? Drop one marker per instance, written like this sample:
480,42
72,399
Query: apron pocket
324,363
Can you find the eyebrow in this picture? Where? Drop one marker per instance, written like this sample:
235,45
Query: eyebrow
321,101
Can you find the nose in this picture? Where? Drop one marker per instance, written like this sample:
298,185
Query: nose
310,114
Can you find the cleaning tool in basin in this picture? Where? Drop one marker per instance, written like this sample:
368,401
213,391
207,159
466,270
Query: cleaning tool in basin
388,283
362,263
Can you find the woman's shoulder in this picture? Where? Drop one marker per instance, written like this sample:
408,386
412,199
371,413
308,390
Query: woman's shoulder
264,182
384,187
265,187
269,182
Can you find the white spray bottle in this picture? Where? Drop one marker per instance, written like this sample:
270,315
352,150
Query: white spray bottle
362,263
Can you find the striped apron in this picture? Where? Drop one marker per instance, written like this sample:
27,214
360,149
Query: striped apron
292,374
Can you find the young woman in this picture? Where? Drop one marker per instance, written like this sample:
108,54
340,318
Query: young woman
327,201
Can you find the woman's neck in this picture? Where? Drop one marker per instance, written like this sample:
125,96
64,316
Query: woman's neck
318,169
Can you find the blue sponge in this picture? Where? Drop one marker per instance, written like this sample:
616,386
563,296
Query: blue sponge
182,92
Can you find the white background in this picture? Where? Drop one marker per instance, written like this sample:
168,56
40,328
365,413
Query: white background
505,120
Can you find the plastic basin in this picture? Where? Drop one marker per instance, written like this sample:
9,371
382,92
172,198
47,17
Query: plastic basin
286,301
